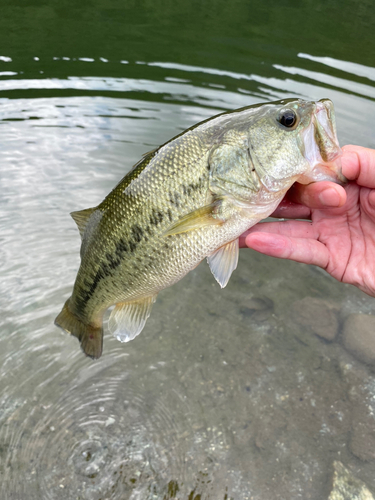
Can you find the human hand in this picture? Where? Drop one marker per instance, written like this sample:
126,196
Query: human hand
340,235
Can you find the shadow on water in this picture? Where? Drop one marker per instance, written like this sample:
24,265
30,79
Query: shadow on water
227,394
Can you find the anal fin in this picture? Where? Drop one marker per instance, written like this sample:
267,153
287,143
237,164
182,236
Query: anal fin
224,261
128,319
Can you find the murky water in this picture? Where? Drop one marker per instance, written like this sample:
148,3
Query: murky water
224,395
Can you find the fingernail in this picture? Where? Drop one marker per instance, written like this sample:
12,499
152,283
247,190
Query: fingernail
330,198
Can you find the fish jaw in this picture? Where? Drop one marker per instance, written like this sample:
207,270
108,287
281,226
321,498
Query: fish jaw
321,146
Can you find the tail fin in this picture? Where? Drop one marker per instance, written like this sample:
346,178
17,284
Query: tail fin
91,338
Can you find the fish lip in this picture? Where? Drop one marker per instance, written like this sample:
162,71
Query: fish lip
325,129
321,147
333,170
326,110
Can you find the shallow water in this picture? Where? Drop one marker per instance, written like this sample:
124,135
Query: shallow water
223,395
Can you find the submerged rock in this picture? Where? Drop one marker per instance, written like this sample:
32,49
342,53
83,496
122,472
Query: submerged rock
258,308
317,316
361,396
362,435
346,486
359,337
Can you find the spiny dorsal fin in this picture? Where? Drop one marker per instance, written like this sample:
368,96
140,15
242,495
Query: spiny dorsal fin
223,262
150,152
128,319
81,218
204,216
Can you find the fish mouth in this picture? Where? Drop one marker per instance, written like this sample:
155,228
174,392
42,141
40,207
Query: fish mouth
321,146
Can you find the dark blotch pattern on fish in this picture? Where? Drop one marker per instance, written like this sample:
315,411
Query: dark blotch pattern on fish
175,199
193,187
156,217
137,233
111,262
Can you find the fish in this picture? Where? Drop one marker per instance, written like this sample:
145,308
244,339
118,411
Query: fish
188,200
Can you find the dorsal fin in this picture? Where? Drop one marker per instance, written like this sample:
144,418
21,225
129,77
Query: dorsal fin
81,218
150,152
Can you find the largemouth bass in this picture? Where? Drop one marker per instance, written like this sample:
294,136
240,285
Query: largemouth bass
190,199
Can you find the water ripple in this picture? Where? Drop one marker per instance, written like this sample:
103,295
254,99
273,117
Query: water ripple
113,437
151,420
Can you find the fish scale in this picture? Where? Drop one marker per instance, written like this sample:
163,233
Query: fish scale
189,199
124,204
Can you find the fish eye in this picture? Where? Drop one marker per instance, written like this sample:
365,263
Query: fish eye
287,117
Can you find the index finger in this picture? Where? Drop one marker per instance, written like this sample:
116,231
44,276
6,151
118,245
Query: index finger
358,164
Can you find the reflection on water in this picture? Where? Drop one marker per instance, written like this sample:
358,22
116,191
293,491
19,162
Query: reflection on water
349,67
224,395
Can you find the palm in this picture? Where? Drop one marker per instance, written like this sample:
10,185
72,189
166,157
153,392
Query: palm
348,234
340,240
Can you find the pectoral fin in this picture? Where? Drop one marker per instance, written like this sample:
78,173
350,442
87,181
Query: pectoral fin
128,319
204,216
223,262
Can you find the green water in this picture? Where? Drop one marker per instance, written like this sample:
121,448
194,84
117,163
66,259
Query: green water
223,395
